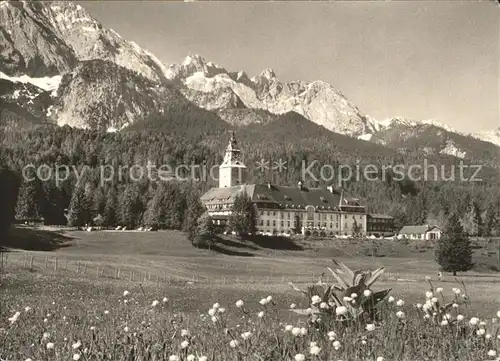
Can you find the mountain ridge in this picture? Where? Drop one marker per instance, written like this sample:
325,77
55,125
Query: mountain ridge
58,81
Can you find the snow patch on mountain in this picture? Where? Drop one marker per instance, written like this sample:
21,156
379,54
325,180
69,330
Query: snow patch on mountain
492,136
46,83
451,149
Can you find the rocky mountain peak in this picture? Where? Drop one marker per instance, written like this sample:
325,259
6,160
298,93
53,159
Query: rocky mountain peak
64,34
268,74
192,64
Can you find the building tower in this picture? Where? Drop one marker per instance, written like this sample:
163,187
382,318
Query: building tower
232,171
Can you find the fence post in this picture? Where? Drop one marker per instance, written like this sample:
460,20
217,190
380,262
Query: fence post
46,262
31,263
131,275
66,264
97,273
85,267
55,264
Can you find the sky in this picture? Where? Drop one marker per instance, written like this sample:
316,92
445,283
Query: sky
422,60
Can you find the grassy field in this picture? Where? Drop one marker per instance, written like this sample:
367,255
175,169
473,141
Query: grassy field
157,265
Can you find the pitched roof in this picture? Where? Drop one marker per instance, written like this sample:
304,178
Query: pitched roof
414,229
434,227
283,196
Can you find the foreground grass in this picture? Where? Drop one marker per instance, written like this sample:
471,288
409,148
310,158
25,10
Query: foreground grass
64,318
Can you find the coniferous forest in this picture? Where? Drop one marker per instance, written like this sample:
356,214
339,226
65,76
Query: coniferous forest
86,197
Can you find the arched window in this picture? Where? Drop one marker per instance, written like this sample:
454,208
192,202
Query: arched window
310,212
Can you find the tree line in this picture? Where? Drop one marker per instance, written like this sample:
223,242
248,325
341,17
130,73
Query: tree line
122,201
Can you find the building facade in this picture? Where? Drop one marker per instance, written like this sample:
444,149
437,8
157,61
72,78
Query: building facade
379,225
284,209
423,232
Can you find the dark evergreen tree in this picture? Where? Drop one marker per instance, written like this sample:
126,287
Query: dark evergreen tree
477,219
54,204
130,207
30,200
79,212
357,229
205,231
109,215
194,210
491,219
154,216
9,186
454,251
243,219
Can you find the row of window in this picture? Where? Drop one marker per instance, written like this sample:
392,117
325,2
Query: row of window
302,215
379,220
293,224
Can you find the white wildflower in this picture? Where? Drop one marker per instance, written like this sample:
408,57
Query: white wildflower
315,299
370,327
341,310
233,343
15,317
314,350
299,357
184,344
474,321
367,293
240,303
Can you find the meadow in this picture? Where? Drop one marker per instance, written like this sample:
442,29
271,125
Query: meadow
153,296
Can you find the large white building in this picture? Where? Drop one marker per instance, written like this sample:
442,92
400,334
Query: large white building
284,209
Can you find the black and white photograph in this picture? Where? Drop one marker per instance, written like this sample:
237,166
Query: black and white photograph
250,180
